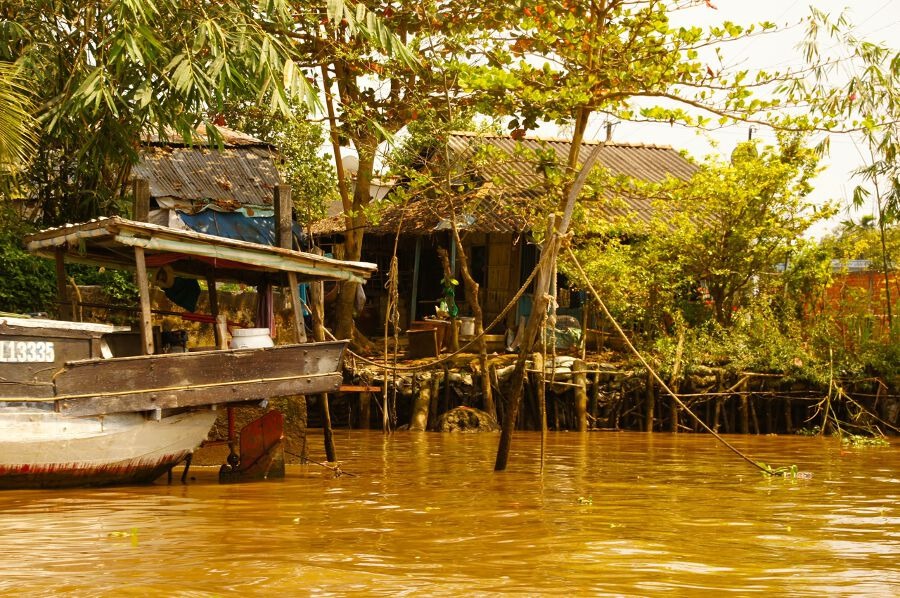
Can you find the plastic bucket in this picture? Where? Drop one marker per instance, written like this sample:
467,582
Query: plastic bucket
250,338
467,326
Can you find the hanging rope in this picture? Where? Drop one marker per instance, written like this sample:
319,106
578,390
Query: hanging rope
761,466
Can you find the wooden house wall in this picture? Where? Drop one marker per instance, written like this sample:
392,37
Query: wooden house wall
500,278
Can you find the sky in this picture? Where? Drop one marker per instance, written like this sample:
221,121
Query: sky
874,20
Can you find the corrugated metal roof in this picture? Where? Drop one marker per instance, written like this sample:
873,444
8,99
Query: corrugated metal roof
513,185
231,177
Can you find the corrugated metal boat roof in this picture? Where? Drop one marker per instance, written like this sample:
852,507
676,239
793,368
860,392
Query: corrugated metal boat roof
110,241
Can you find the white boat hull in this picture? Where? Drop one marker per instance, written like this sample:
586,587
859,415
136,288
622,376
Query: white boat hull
42,449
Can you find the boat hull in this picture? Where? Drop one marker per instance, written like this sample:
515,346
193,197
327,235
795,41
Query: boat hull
44,449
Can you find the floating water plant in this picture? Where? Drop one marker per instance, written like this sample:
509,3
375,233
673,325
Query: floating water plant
858,441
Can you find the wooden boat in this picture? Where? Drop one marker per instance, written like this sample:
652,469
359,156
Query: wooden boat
77,409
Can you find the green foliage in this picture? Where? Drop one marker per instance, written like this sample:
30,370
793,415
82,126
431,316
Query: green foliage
118,285
559,61
859,441
712,245
869,104
311,175
29,282
791,472
17,125
106,74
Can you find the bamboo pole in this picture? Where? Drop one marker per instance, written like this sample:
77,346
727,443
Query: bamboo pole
541,390
675,382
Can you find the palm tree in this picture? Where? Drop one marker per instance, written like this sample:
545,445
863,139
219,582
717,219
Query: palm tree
17,125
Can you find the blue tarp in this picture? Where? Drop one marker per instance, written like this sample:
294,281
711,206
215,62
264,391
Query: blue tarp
235,225
231,225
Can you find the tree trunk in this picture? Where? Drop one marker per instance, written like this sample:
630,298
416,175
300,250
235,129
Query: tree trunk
472,289
540,304
419,419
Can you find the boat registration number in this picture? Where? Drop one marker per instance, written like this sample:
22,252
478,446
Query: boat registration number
27,352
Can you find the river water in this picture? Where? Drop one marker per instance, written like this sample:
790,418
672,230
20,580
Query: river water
611,514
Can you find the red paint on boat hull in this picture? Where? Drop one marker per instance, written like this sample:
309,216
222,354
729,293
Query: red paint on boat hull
63,475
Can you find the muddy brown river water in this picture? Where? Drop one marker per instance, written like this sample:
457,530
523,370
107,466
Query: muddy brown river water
613,514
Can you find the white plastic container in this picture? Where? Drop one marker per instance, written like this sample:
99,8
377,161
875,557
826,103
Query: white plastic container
250,338
467,326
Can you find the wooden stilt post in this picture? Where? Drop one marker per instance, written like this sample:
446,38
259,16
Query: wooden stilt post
579,377
593,406
317,305
415,281
365,410
284,238
788,418
745,412
140,207
144,292
538,361
650,406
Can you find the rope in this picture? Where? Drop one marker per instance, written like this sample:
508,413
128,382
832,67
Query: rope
761,466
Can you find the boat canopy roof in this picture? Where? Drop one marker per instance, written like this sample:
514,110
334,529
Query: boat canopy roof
109,242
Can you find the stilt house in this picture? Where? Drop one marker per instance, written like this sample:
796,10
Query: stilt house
500,197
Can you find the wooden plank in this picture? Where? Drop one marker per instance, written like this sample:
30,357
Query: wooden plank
283,220
22,380
136,374
223,393
144,292
141,201
296,308
358,388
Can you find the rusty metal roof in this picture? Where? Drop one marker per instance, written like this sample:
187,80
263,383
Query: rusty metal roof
239,174
512,187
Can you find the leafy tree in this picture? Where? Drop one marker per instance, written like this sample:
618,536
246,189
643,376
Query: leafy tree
713,237
107,73
298,139
29,282
732,223
868,101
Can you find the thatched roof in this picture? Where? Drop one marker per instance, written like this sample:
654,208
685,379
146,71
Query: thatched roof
510,185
